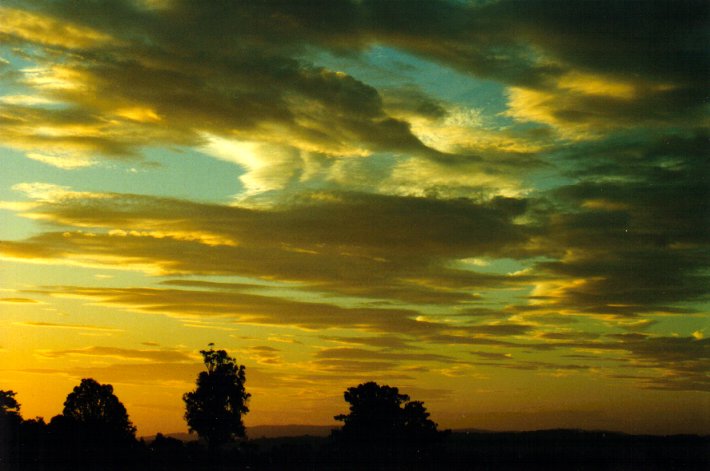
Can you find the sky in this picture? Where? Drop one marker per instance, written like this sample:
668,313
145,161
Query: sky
502,208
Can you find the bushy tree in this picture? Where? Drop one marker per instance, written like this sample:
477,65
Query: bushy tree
96,406
375,413
385,424
93,431
214,409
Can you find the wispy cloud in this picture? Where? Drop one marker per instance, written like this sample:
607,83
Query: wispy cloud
57,325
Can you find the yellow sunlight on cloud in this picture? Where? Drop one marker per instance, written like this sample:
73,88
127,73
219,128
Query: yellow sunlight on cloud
529,105
414,177
65,161
464,129
44,30
205,238
25,100
52,193
549,292
54,78
268,166
140,114
589,84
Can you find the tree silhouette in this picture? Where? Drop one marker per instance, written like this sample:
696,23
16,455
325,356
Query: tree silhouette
10,421
214,409
384,425
96,406
375,413
8,403
93,431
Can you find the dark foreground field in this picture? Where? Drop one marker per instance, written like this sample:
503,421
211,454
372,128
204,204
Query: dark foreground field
541,450
460,450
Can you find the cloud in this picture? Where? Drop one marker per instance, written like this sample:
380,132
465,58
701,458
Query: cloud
146,83
151,86
56,325
265,354
48,31
681,363
18,300
394,247
161,356
492,355
387,342
356,366
165,374
364,354
634,229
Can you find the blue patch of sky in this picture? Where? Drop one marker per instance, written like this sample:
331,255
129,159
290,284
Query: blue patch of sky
498,266
384,67
177,173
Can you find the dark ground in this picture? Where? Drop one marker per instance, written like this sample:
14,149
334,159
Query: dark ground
541,450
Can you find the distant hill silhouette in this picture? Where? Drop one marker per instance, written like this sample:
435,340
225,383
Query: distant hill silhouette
263,431
292,430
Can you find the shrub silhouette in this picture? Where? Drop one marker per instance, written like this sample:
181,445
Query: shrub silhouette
214,409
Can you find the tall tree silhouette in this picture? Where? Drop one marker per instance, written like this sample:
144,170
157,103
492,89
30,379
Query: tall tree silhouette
214,409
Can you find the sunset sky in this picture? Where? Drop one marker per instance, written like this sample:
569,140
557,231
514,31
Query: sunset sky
502,208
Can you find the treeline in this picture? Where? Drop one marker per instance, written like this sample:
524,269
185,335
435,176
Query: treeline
382,430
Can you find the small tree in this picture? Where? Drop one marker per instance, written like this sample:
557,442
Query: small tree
214,409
